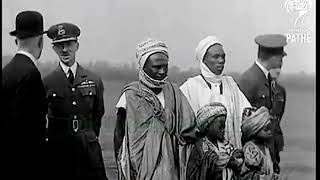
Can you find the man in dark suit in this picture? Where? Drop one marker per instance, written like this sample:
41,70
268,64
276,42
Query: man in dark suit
259,85
76,107
24,99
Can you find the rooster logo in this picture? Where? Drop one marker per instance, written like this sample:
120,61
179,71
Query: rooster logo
299,7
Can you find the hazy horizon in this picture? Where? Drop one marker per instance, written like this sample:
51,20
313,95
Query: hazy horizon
110,30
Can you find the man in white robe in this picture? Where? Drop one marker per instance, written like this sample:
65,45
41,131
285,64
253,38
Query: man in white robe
212,86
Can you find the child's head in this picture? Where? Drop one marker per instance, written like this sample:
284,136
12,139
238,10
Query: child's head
256,124
211,120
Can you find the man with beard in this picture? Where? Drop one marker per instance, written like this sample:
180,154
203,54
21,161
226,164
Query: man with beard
24,103
212,86
154,121
259,85
75,100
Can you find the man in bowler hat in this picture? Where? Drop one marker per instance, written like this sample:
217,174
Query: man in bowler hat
23,97
76,107
259,85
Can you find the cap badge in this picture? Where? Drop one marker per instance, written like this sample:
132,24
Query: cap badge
61,30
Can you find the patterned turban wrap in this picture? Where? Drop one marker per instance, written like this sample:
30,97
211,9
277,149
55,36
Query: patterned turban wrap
253,122
208,113
144,50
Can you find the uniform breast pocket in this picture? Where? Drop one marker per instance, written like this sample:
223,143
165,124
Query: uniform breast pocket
88,94
56,99
263,99
53,94
88,91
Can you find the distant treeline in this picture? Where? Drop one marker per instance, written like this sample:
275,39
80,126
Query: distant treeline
128,73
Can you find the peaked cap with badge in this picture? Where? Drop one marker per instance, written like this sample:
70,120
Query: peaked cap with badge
63,32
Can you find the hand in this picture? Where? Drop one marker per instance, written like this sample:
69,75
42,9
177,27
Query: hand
275,176
237,153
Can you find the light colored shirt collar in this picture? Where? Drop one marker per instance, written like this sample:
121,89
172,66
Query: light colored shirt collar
66,68
30,56
263,69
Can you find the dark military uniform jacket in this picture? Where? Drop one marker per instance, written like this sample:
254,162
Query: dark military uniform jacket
259,92
81,101
74,115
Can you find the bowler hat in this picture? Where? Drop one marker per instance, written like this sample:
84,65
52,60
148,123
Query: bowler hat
28,24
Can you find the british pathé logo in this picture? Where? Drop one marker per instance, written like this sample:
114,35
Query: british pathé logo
298,10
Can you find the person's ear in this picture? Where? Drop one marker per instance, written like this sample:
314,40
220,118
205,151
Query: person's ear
77,45
40,42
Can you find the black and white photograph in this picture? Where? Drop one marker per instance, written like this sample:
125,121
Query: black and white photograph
159,90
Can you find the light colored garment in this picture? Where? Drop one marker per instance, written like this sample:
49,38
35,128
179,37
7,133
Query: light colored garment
199,94
155,139
257,164
123,103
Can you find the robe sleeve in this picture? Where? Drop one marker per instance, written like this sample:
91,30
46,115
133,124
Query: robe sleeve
201,165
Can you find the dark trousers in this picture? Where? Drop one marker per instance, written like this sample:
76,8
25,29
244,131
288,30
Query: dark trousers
76,157
275,145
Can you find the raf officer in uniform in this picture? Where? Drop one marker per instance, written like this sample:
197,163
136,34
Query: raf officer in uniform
75,100
259,85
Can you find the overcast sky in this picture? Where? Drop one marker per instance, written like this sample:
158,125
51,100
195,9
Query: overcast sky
111,29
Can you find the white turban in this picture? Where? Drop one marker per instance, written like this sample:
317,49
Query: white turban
204,45
148,47
201,50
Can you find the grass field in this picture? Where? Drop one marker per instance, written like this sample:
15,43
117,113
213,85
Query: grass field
298,125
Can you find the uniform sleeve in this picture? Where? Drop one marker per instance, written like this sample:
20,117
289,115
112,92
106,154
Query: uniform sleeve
247,87
284,102
98,107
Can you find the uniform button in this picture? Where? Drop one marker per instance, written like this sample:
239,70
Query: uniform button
74,117
54,94
73,89
263,96
74,103
90,93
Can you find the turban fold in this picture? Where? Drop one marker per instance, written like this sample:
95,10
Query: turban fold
201,50
144,50
148,47
253,123
204,45
208,113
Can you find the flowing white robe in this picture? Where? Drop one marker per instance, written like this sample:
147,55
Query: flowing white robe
198,93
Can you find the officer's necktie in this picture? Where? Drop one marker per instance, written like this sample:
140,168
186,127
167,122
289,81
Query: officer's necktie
272,88
71,77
